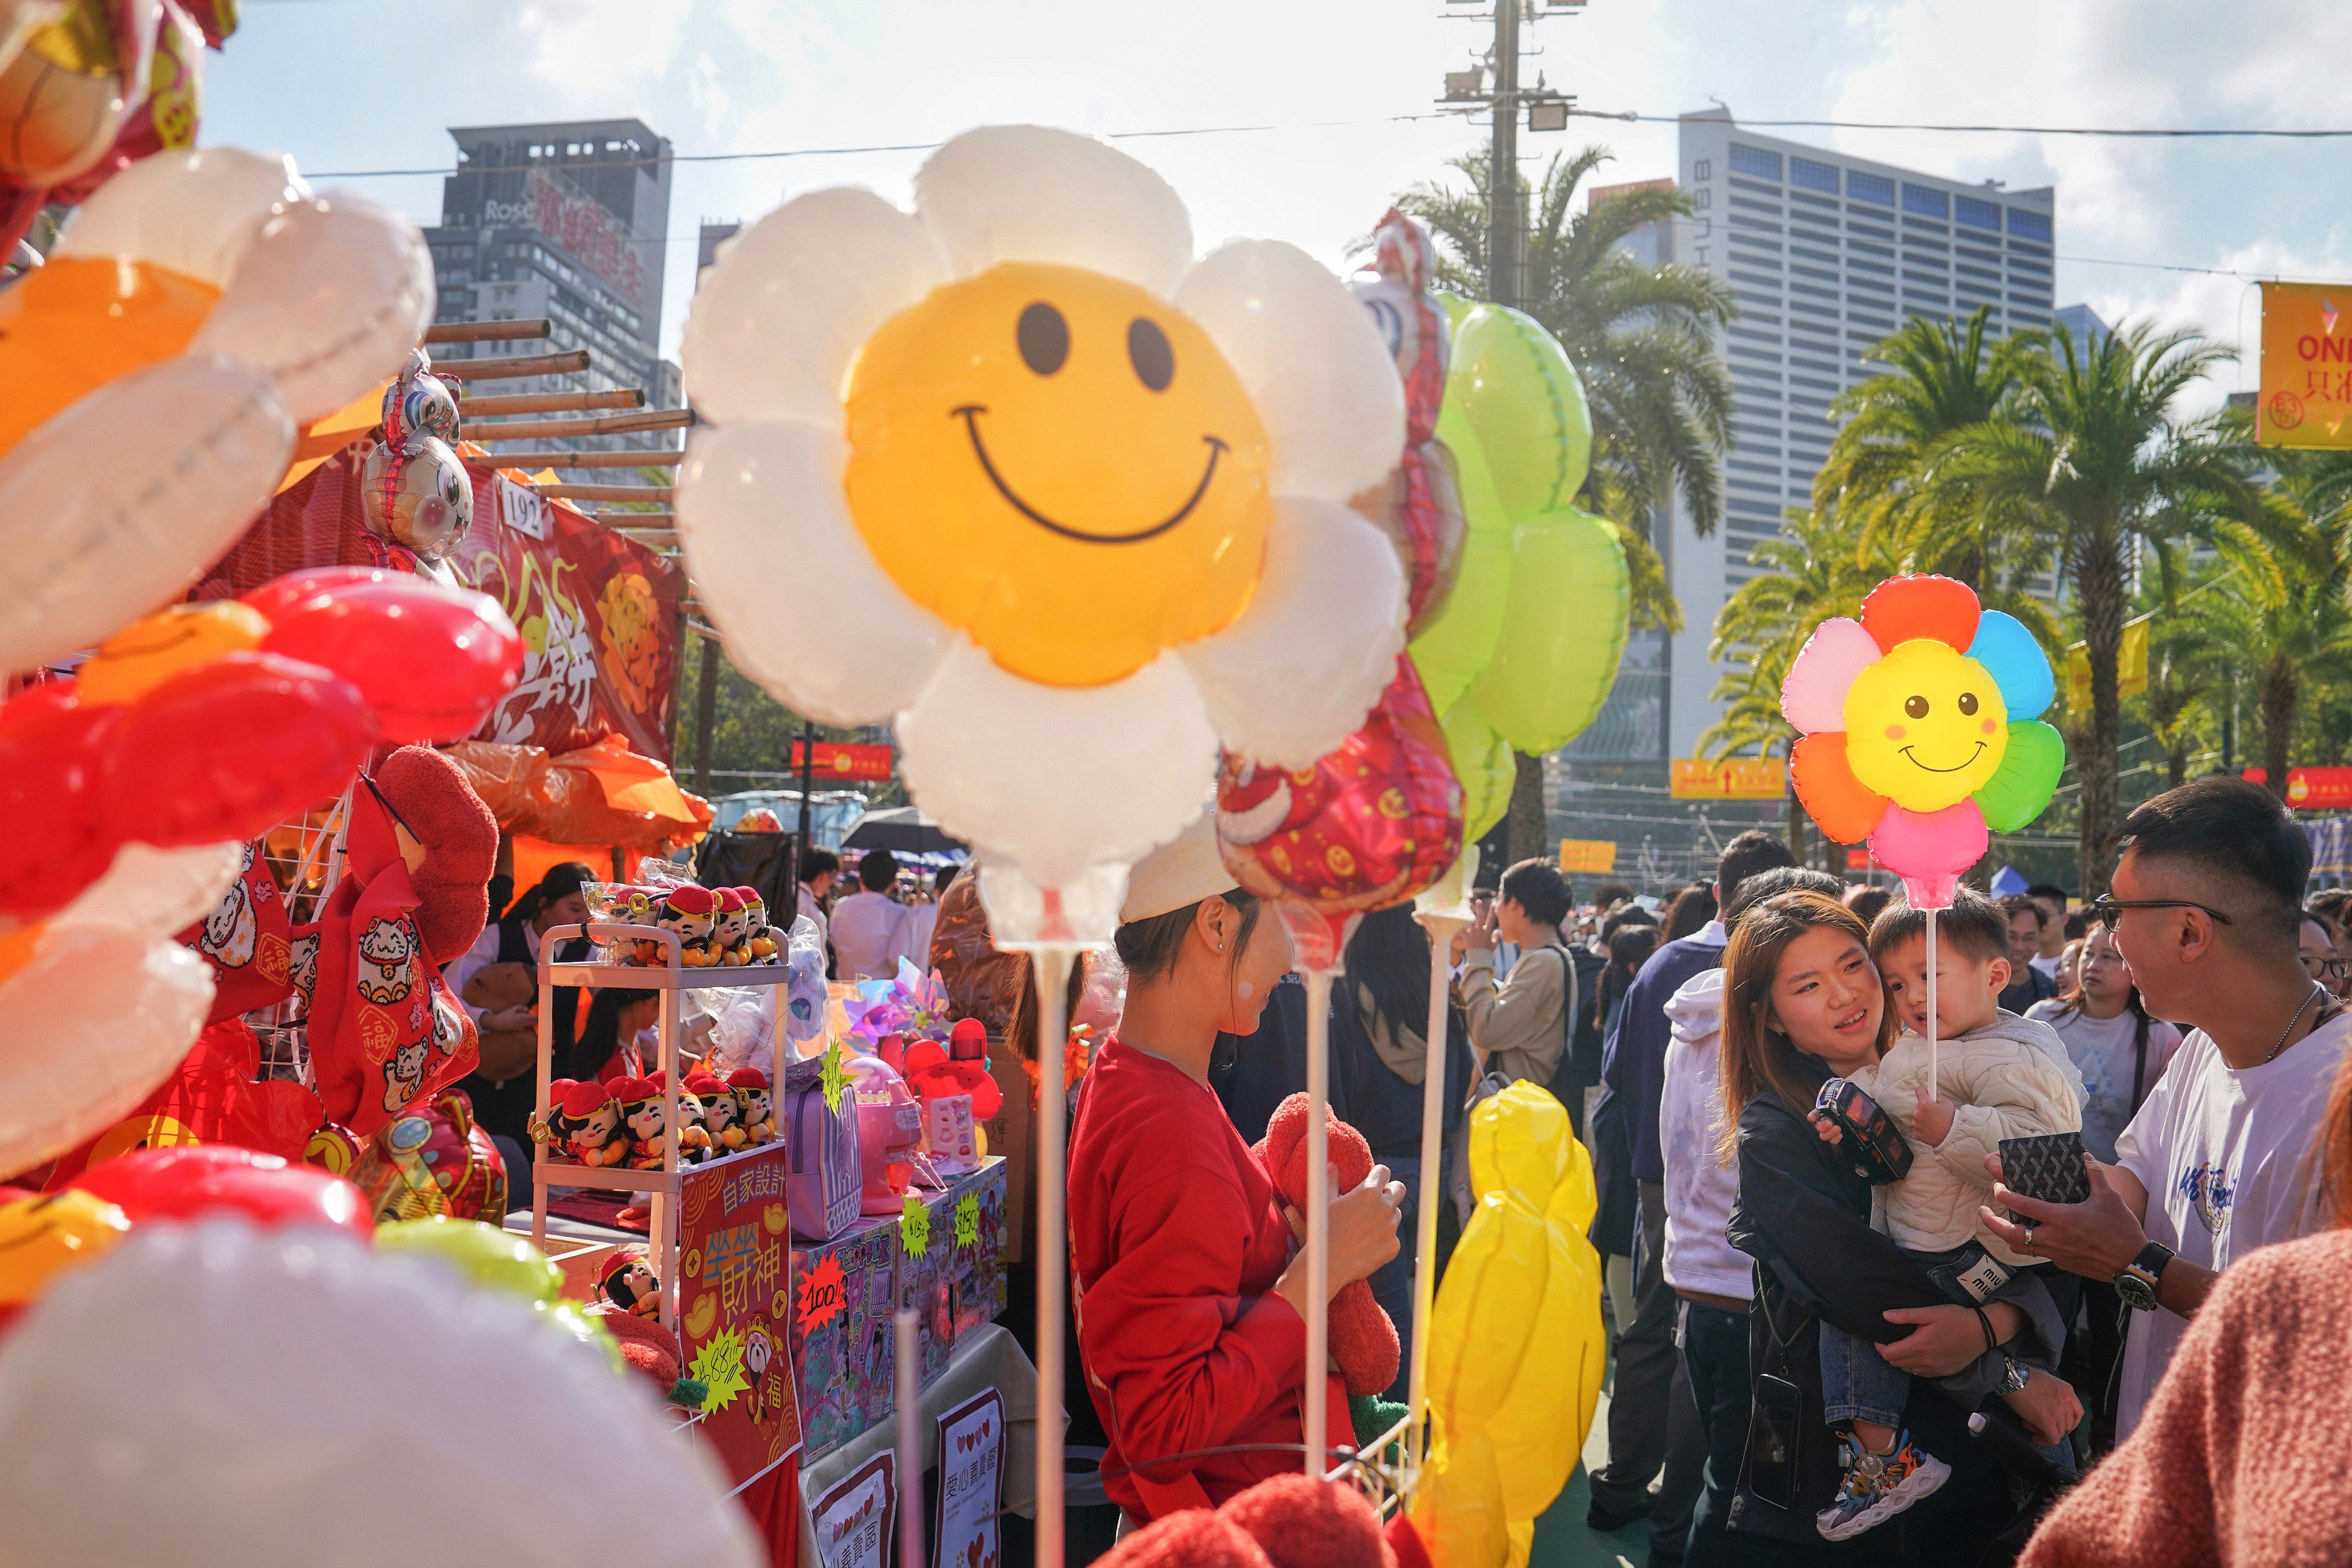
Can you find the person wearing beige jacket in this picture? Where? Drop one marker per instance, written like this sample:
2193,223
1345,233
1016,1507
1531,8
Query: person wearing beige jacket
1995,1075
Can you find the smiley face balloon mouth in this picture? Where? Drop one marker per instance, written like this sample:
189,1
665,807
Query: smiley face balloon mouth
1077,499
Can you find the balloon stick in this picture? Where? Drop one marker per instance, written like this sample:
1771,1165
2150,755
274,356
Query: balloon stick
1441,929
1318,1218
1931,1004
1053,1037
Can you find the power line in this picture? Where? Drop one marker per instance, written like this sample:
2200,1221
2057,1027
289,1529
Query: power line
2170,133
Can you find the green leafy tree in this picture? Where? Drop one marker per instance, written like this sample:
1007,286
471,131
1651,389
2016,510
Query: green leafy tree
2090,456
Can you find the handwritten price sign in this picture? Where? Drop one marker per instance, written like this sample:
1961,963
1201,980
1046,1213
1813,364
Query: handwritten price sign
821,1295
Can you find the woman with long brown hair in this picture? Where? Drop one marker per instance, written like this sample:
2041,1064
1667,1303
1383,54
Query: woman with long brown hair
1804,1004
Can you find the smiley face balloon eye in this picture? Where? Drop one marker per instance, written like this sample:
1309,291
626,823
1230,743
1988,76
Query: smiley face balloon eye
1969,702
1044,338
1148,349
1916,706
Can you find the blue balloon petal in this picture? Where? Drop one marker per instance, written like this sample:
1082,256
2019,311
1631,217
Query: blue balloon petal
2016,662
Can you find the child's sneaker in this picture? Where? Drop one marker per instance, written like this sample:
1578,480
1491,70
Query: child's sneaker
1877,1486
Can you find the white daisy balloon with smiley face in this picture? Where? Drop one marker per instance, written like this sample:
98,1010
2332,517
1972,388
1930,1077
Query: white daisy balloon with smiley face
1019,472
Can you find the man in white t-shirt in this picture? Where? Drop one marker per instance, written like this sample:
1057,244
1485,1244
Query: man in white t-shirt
871,930
2223,1157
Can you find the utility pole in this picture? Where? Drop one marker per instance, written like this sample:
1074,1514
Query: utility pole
1503,221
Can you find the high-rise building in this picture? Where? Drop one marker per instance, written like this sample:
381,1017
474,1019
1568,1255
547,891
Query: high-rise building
571,222
1826,255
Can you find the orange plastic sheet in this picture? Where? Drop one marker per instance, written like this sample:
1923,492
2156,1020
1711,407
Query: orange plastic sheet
603,794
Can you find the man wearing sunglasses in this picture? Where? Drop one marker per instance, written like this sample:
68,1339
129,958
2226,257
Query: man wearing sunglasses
2222,1158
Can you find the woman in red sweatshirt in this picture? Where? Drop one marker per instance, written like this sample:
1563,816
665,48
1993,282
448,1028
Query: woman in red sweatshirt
1189,1303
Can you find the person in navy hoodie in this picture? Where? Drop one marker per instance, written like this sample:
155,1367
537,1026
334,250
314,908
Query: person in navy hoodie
1653,1418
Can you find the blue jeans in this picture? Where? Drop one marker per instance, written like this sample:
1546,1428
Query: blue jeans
1858,1383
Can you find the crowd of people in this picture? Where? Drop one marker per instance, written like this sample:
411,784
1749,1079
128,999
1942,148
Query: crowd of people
1840,1333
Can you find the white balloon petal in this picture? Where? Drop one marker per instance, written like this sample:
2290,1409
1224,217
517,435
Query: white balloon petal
1030,193
775,324
116,505
196,213
1314,362
1296,674
217,1394
807,611
1053,778
329,298
158,893
96,1020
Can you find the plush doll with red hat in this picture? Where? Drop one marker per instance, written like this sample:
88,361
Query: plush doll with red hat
691,912
596,1136
641,1114
721,1118
758,936
1363,1341
755,1107
1286,1521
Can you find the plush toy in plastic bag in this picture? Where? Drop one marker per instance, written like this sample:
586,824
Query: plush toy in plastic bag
805,997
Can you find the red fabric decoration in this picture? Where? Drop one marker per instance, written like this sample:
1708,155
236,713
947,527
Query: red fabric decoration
1363,1341
247,940
211,1098
1907,609
461,838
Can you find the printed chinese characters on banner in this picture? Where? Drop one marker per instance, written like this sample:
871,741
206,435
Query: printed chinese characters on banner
971,1483
854,1523
735,1306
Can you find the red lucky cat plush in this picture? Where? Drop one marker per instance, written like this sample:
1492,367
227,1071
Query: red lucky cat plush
1363,1341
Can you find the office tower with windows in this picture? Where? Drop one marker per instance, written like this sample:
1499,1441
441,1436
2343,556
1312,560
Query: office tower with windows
1826,255
571,222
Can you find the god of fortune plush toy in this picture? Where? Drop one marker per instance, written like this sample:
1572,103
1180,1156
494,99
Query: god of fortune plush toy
693,1137
760,937
1363,1341
753,1107
597,1136
691,913
721,1116
731,929
629,1284
641,1113
551,1128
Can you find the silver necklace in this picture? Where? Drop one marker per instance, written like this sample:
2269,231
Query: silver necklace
2317,992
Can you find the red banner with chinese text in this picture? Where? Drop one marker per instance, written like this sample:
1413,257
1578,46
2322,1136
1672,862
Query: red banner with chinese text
735,1303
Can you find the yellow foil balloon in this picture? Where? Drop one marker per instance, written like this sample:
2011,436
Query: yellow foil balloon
1063,466
1516,1346
78,323
42,1238
1926,725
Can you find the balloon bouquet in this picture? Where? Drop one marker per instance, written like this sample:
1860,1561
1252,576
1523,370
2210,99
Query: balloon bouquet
1919,731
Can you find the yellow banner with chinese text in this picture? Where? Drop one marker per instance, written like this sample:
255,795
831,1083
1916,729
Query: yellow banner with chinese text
2306,376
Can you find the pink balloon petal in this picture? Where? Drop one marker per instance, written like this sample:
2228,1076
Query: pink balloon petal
1812,696
1930,849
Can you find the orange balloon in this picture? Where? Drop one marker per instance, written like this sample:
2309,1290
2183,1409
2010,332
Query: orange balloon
146,653
80,322
1844,808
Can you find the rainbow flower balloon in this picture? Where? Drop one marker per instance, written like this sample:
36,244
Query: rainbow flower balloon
1920,730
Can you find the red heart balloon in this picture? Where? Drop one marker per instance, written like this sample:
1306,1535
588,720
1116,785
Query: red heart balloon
432,660
228,748
196,1179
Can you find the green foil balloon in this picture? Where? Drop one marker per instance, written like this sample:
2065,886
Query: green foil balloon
2029,771
488,1256
1481,761
1513,385
1562,632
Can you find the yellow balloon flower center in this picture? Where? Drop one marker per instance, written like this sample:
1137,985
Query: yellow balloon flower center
76,324
1061,464
1925,726
146,653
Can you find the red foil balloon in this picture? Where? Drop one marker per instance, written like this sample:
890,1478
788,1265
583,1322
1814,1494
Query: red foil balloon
192,1181
228,748
1372,822
58,844
433,660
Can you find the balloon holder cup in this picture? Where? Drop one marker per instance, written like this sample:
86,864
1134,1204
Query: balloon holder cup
1933,890
1024,916
1444,904
1318,937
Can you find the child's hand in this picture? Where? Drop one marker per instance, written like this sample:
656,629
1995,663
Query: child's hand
1830,1130
1932,1120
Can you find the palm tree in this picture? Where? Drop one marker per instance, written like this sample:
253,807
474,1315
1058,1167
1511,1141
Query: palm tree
2179,703
1819,565
1941,376
1641,337
2279,625
2089,455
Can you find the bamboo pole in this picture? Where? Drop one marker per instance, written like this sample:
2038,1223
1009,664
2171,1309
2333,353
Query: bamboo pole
637,522
606,493
487,331
566,429
653,460
550,402
517,365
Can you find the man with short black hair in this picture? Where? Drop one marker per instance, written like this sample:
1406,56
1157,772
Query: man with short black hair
2051,899
817,869
872,930
2027,921
2222,1156
1648,1391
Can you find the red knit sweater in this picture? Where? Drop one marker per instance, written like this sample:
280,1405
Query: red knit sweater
2241,1457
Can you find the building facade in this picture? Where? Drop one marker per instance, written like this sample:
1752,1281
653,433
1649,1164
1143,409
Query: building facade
569,221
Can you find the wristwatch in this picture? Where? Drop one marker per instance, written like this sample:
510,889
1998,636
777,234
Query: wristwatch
2136,1284
2014,1377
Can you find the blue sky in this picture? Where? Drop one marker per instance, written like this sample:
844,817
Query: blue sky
346,85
